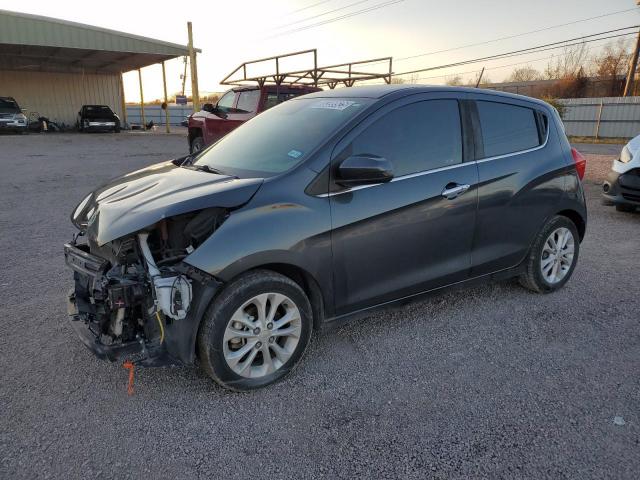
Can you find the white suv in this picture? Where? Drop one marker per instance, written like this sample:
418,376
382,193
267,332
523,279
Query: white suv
11,116
622,187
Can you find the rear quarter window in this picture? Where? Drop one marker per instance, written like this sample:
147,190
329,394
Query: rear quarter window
507,128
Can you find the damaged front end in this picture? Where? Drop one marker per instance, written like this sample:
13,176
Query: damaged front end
135,298
135,295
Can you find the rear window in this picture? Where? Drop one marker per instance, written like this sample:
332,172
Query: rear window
274,99
507,128
97,109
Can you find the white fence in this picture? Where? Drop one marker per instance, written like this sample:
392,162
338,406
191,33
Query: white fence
177,114
613,117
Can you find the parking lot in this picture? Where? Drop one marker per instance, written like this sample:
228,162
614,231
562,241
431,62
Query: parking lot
488,382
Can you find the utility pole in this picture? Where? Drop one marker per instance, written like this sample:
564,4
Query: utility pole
144,124
633,65
194,71
184,75
480,77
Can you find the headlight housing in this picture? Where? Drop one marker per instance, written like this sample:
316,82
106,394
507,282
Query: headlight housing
75,216
20,118
625,155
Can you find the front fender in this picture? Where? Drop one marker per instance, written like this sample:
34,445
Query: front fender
291,231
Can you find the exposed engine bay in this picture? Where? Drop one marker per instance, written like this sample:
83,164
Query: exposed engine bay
130,293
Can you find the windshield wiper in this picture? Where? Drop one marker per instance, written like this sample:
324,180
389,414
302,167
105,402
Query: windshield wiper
206,168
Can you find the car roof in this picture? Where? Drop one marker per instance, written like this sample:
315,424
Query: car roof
96,106
380,91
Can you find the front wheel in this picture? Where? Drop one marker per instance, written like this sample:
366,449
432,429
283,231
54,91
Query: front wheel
256,331
553,256
197,144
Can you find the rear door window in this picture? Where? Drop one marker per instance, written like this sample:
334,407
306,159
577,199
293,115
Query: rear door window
417,137
507,128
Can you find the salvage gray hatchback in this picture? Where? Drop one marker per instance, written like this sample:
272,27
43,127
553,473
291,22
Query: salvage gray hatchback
325,207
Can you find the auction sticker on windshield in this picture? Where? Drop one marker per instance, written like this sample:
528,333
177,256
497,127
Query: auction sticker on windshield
333,104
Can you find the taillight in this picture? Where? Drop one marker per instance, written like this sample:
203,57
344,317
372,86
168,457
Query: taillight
581,162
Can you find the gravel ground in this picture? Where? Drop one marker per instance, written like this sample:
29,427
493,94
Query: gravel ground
488,382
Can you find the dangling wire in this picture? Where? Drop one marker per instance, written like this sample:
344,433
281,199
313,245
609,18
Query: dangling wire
161,326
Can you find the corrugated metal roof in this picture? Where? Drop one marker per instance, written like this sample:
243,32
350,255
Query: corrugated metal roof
51,44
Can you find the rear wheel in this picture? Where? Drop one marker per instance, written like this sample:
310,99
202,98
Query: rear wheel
553,256
623,207
197,144
256,331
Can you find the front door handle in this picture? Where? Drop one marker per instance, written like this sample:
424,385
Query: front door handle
453,190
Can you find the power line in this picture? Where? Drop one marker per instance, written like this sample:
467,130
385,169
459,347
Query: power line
335,19
486,42
513,36
321,14
538,48
498,67
307,8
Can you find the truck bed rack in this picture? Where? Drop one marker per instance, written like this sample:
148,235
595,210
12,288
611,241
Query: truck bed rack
330,76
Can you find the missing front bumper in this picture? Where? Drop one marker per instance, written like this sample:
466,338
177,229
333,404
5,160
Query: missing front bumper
88,302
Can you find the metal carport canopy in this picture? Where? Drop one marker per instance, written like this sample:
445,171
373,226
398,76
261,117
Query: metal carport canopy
42,44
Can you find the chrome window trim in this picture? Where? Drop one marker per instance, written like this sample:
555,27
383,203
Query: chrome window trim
519,152
441,169
395,179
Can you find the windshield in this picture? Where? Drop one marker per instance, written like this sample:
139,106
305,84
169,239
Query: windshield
279,139
97,109
8,106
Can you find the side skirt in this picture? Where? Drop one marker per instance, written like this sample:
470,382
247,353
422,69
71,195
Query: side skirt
335,322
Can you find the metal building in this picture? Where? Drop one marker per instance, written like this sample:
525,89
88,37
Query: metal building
53,66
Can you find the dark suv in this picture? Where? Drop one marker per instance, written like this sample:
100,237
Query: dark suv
326,207
98,118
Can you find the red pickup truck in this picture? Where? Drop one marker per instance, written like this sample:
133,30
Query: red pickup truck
234,108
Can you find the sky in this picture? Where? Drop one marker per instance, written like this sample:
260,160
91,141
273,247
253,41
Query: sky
231,32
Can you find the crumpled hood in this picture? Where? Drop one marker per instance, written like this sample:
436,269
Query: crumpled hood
632,151
141,198
634,146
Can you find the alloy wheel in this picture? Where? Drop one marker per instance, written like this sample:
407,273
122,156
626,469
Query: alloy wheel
557,255
262,335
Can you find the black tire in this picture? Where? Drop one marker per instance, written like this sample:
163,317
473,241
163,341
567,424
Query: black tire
116,130
623,207
197,144
532,278
219,313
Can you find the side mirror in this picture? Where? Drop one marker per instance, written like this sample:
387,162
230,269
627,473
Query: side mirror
211,108
364,170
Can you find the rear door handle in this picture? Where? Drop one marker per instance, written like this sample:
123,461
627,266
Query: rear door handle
453,190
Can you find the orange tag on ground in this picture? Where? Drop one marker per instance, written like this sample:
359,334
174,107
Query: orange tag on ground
129,366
